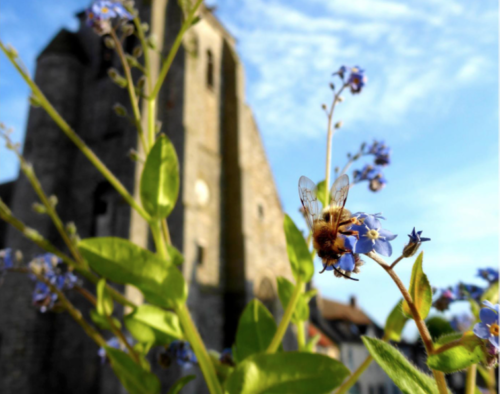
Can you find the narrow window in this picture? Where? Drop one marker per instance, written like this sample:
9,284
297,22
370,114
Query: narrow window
102,220
260,211
200,254
210,69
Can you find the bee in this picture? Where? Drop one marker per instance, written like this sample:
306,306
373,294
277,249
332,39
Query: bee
326,225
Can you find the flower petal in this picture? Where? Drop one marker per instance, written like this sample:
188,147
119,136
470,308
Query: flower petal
494,342
383,248
371,222
346,262
482,331
364,245
488,316
495,307
349,242
387,234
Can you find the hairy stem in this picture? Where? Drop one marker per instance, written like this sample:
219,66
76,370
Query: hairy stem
71,134
285,320
353,378
130,88
173,51
397,261
329,141
422,328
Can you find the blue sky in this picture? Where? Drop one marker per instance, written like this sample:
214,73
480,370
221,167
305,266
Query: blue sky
432,96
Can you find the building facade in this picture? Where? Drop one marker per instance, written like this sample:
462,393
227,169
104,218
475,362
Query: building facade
228,220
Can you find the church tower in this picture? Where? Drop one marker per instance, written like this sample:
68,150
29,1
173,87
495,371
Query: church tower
228,220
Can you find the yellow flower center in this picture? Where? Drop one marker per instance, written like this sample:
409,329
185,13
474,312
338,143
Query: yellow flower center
104,10
91,15
494,329
373,234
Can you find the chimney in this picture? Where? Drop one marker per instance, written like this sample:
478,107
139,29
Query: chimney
352,301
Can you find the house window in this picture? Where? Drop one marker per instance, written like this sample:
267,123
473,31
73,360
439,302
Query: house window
381,389
210,69
103,210
260,211
200,254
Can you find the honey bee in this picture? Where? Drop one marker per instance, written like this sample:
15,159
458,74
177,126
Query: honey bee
326,225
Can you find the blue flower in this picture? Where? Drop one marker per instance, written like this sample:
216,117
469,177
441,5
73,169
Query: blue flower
181,352
416,238
226,357
488,328
341,72
462,322
52,268
373,237
114,343
489,274
357,79
361,216
381,151
368,172
6,259
100,13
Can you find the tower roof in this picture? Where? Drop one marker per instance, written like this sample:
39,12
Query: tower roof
66,42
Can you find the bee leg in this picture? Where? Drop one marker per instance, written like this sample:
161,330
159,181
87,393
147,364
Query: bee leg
344,275
324,269
350,232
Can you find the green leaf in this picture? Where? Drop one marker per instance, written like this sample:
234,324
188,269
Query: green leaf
321,193
491,294
102,322
285,373
298,253
160,179
256,329
135,379
438,327
175,256
475,308
150,324
471,351
312,343
404,375
177,387
420,290
121,261
285,291
105,303
395,323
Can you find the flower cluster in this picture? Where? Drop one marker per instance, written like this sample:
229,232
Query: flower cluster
356,79
489,274
101,12
462,322
179,351
373,172
53,270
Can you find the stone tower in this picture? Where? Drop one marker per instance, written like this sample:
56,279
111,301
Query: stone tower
227,222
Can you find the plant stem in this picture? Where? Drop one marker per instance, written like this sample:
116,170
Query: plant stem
422,328
301,335
196,342
329,141
159,241
470,379
173,51
71,134
397,261
285,320
447,346
130,88
151,121
354,376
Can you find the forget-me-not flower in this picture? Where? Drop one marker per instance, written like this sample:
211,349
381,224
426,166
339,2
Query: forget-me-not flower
373,237
488,328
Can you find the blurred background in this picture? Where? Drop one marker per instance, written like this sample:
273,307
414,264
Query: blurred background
432,95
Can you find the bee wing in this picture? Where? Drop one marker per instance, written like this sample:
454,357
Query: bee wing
307,194
338,193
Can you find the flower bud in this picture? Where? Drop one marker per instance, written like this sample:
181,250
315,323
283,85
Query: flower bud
145,27
35,268
117,78
128,29
39,208
34,101
340,99
323,106
332,86
32,234
53,200
120,110
141,82
410,249
71,228
338,125
109,42
152,41
137,52
11,51
131,60
133,155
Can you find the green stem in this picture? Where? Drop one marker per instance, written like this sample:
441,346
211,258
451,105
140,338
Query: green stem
470,379
422,328
301,335
355,376
329,137
151,121
173,51
285,320
130,88
202,355
71,134
159,241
